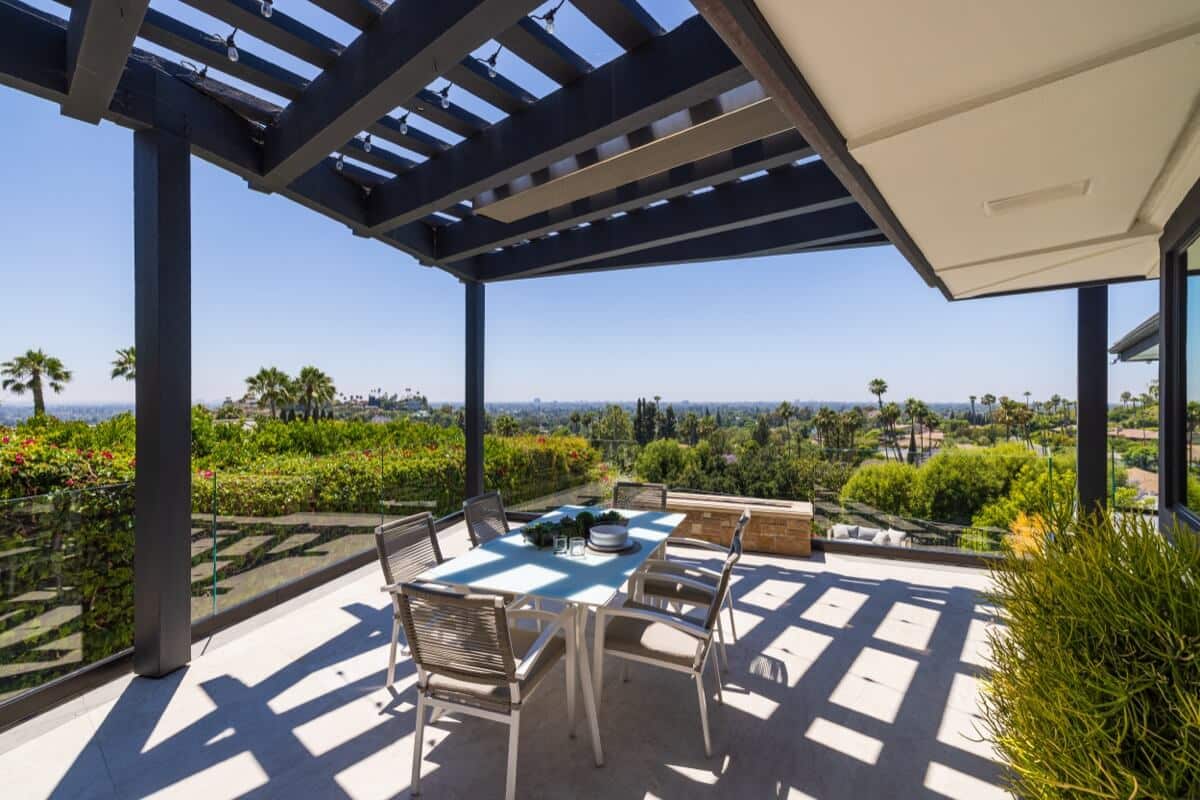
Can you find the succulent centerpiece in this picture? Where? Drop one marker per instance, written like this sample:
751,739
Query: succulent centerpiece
543,534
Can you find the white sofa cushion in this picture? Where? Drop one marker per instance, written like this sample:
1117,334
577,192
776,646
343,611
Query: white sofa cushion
843,532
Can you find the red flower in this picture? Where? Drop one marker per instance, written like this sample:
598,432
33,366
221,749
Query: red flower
70,481
107,455
206,473
366,452
89,454
28,442
541,440
19,459
4,440
574,454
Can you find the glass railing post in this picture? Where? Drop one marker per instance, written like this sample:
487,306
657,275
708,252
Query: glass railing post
214,541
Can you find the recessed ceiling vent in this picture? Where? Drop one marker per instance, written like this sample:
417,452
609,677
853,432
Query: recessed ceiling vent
1041,197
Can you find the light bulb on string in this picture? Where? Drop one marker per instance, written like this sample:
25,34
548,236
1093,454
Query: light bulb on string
445,93
231,47
548,17
491,62
404,125
367,143
340,164
265,8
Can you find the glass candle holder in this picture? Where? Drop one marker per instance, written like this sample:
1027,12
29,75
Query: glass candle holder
562,546
578,546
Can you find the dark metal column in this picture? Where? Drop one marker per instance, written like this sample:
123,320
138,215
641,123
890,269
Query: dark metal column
163,304
473,407
1092,381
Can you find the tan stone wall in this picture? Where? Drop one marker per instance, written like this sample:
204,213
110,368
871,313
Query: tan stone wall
783,528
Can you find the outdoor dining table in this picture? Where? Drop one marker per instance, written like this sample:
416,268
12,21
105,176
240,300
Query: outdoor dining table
511,565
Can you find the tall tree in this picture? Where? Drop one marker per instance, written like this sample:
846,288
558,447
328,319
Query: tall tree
786,411
974,419
1126,397
271,388
125,364
314,390
1028,394
762,431
878,387
33,372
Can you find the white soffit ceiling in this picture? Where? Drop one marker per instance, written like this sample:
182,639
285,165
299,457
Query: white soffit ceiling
1022,144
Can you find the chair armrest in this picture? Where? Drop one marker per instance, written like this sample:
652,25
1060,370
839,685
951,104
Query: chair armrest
530,660
687,541
679,623
675,568
691,583
394,588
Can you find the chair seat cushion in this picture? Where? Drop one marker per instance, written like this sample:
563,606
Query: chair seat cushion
499,697
641,637
659,584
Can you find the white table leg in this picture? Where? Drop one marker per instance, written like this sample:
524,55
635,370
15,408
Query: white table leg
589,696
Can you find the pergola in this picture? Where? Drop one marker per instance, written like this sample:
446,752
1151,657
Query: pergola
699,143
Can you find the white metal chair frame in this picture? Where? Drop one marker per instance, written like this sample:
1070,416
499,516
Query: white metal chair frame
564,622
679,574
703,634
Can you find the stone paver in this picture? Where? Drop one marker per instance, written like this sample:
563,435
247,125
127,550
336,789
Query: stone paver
853,677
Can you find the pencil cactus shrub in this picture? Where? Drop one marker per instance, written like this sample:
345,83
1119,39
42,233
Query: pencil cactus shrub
1095,688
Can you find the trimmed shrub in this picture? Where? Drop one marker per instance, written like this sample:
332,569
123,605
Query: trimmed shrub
888,487
1096,684
663,461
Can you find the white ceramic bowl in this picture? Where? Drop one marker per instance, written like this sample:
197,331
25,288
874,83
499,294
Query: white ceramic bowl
609,535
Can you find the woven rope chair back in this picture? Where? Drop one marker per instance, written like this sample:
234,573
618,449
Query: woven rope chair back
461,636
640,496
485,518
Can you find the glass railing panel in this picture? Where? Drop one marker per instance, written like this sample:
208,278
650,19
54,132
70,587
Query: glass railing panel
66,583
536,473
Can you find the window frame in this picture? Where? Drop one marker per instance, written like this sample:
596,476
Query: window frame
1181,231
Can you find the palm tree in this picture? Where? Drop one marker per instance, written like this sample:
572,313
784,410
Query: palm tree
1126,397
973,418
878,387
31,372
314,389
988,400
912,407
270,387
786,411
1028,394
125,364
888,417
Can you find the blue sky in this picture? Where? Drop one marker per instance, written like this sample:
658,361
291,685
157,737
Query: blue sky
276,284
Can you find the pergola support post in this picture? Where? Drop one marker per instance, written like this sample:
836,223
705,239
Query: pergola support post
1092,413
162,298
473,413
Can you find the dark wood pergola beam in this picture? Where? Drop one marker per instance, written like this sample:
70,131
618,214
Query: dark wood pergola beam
479,234
387,65
154,93
544,52
287,33
746,32
841,227
624,21
629,92
784,193
100,35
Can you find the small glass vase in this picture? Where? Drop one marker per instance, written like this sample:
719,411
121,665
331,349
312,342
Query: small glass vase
562,546
578,546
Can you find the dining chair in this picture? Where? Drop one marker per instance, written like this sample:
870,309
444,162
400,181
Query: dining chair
642,633
406,547
670,581
640,496
485,518
472,659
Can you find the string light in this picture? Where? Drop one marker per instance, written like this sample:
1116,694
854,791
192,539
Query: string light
548,17
491,62
404,125
340,164
445,93
231,47
367,143
265,9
